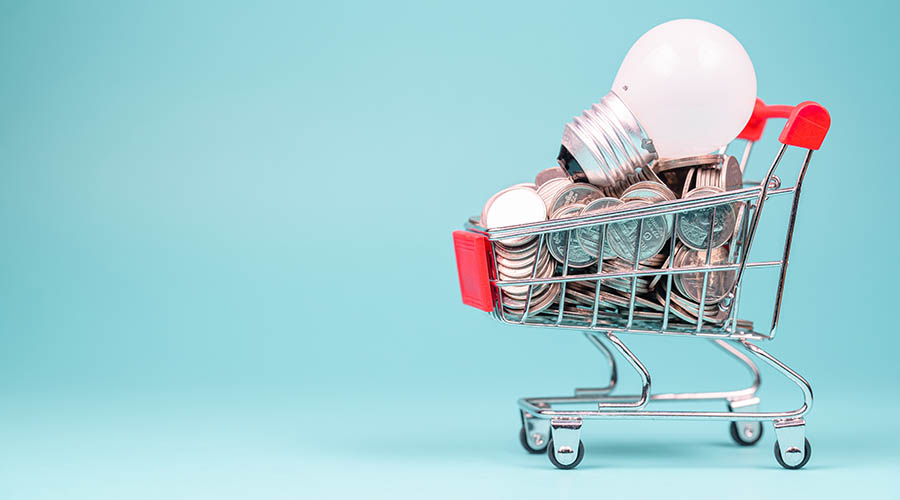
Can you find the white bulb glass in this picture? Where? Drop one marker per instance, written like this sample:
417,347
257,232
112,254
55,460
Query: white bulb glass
691,86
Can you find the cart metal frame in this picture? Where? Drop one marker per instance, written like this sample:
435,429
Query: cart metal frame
549,423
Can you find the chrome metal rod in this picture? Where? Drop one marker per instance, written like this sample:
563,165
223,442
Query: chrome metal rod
788,238
756,215
613,374
529,404
745,158
641,371
654,210
628,274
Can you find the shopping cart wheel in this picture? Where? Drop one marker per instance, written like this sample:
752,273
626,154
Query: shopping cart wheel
523,438
552,454
746,433
807,452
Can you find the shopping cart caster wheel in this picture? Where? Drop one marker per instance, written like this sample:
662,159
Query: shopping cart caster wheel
807,452
746,433
523,438
551,453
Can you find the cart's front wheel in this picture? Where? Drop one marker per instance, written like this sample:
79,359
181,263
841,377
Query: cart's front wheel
551,452
746,433
807,452
523,438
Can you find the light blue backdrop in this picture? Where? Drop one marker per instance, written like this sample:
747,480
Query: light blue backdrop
227,269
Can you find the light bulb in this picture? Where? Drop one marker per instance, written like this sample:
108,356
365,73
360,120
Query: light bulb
685,88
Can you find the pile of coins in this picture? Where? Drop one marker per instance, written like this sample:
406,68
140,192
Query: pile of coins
575,252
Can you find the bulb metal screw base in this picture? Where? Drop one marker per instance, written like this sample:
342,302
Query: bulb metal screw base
605,144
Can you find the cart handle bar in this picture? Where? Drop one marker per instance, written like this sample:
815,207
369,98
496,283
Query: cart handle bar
806,127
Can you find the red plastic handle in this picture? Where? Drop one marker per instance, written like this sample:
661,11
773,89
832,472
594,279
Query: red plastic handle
473,252
806,127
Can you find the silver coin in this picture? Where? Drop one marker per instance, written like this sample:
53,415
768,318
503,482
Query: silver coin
655,280
522,272
549,190
537,303
514,206
688,161
513,298
496,195
557,241
649,190
711,310
623,237
684,316
679,312
550,173
719,284
624,284
638,301
693,226
656,261
687,182
732,177
589,237
545,269
576,193
517,252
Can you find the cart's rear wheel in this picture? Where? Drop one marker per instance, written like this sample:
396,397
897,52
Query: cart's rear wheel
807,452
523,438
552,455
746,433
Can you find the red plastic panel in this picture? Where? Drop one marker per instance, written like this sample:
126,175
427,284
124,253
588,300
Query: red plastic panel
473,252
807,126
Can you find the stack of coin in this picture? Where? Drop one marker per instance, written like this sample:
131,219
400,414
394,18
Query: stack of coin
719,283
527,262
519,257
685,297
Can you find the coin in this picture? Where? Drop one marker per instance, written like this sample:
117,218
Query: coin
648,190
550,173
589,237
623,237
665,164
523,272
655,280
548,190
557,241
575,193
516,253
687,181
512,207
680,313
537,304
732,177
693,226
719,284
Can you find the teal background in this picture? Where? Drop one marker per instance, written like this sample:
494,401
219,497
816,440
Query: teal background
227,269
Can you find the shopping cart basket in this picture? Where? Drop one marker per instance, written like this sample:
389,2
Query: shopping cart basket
554,423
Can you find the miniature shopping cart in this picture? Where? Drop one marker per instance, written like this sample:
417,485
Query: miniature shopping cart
554,423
